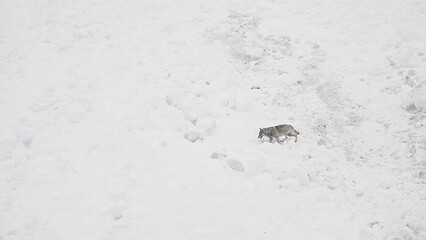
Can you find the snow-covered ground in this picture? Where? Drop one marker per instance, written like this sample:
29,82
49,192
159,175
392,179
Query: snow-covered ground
126,119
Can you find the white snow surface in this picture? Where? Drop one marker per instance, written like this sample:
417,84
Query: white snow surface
126,119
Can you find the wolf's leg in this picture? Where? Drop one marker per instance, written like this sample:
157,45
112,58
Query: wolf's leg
278,138
270,139
296,139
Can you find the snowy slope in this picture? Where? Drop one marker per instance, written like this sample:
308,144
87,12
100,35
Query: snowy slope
138,119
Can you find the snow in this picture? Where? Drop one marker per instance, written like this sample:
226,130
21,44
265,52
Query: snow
139,119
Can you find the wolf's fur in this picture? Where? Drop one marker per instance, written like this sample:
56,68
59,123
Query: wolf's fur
278,131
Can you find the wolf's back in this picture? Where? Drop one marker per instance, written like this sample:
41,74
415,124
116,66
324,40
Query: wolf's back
284,129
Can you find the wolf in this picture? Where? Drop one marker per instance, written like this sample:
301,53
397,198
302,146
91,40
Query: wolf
278,131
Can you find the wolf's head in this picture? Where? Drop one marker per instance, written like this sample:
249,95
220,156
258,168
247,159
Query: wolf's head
261,132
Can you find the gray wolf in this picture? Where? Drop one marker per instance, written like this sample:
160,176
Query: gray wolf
278,131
